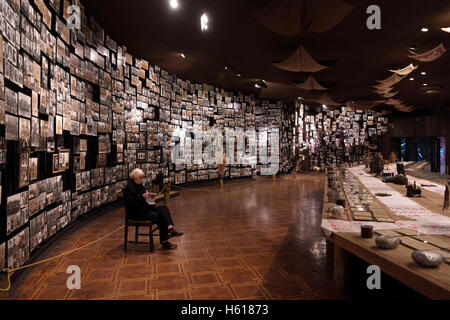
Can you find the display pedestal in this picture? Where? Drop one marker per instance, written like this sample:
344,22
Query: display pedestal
221,183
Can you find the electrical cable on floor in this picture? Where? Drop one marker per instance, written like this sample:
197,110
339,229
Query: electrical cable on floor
9,271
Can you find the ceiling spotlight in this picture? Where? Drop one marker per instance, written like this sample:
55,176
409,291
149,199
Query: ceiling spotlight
239,75
423,73
228,66
257,86
173,4
264,81
425,84
204,22
300,98
182,55
412,79
324,107
446,29
424,29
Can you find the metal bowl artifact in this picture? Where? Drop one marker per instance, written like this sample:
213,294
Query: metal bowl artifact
428,259
387,242
336,211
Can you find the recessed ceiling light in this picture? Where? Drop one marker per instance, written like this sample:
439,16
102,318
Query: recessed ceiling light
324,106
264,81
182,55
300,98
424,29
239,75
257,86
173,4
411,79
204,22
425,84
423,73
446,29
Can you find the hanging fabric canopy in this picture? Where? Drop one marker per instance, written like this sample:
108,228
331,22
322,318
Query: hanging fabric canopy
389,94
326,100
310,84
431,55
363,105
300,61
399,105
389,82
293,17
405,71
382,90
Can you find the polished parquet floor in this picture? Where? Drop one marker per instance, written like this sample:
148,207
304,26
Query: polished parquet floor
254,240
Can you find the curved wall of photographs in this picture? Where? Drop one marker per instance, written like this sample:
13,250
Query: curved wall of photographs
78,112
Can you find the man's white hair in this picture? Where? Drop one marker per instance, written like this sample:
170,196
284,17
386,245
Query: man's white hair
136,174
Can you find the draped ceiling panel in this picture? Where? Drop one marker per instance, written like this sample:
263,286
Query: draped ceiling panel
293,17
310,84
300,61
431,55
326,100
250,47
405,71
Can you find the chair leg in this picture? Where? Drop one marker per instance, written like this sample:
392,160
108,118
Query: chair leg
137,234
126,238
150,233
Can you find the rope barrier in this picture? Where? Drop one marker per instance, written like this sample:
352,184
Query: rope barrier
220,190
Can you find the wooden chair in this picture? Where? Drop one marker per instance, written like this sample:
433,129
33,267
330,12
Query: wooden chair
137,224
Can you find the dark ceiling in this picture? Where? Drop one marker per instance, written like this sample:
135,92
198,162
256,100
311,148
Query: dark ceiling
153,31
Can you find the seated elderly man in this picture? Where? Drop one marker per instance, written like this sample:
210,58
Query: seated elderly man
142,207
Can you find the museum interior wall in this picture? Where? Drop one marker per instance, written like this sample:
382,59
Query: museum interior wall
79,112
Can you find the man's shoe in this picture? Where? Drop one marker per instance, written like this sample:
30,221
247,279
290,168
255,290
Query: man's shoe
175,233
168,246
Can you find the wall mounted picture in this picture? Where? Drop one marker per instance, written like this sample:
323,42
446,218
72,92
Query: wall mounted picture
82,161
11,101
23,168
55,163
2,256
59,125
38,230
24,105
83,145
12,127
33,169
2,111
64,159
76,164
35,132
2,151
18,249
24,131
16,211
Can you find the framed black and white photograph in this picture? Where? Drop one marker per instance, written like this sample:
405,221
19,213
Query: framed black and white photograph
16,211
2,255
19,249
24,131
11,98
24,167
12,127
24,105
33,169
38,230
